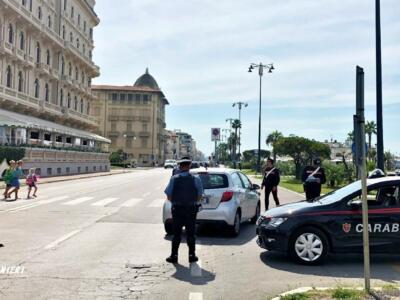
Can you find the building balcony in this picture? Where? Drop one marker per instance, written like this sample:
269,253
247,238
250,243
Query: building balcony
95,70
144,134
43,68
29,61
20,55
67,80
129,134
8,48
113,134
51,108
54,73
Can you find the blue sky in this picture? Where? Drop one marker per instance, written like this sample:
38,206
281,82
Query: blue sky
199,53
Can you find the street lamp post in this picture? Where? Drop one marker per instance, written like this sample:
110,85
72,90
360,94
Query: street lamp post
379,114
240,105
261,67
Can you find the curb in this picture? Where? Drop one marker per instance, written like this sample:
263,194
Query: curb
308,288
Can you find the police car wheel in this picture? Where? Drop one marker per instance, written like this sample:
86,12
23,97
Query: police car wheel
308,246
168,228
257,215
234,230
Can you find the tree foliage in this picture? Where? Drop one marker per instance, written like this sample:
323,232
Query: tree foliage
301,150
11,153
117,157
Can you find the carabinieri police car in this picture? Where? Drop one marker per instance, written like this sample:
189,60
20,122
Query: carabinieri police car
309,230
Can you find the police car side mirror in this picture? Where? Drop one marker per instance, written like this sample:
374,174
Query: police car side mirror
255,187
355,205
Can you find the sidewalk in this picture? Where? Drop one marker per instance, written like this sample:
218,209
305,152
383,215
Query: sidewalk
79,176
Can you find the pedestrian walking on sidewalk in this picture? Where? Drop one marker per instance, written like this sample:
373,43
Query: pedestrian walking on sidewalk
31,182
15,184
313,177
271,181
7,177
184,191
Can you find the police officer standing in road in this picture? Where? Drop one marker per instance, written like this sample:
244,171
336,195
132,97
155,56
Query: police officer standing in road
313,177
270,182
184,191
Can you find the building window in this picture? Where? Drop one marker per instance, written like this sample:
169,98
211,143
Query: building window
20,82
114,96
113,126
77,44
48,57
81,106
46,92
34,135
75,103
10,34
72,12
84,26
58,138
68,140
39,13
71,37
137,99
76,73
49,23
67,170
122,98
49,171
129,126
61,97
144,127
9,77
84,49
30,5
130,97
23,2
69,69
58,171
21,41
37,88
69,100
79,169
63,32
62,65
144,142
82,77
79,20
94,168
90,54
37,52
65,4
91,33
87,169
128,143
88,108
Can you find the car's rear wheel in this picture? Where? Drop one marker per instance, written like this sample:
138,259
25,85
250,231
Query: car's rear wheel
234,229
308,246
257,215
168,228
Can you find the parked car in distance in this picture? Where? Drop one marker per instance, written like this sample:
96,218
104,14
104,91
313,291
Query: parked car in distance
229,199
169,163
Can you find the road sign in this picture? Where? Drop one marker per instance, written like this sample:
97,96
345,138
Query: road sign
215,134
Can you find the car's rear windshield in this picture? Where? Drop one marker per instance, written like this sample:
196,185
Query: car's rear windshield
213,181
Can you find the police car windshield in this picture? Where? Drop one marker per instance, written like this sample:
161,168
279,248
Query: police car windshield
339,194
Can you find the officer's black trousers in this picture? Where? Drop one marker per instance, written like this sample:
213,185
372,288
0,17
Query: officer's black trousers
312,190
268,191
184,216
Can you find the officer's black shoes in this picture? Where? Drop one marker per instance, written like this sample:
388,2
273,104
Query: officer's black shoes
173,259
193,258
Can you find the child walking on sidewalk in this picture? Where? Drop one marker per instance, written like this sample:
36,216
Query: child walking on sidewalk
31,180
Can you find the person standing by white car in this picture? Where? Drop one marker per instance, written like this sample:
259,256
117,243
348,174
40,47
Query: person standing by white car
185,192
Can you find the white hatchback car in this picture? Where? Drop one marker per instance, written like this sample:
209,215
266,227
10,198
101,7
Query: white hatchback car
229,198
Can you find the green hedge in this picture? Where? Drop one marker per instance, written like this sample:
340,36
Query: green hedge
11,153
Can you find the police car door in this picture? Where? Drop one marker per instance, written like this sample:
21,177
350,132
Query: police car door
383,210
251,196
240,191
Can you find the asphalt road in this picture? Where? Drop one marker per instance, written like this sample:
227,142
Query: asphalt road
102,238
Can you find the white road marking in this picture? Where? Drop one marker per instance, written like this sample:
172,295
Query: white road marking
131,202
55,199
104,202
78,201
157,203
35,204
146,194
16,209
195,269
196,296
62,239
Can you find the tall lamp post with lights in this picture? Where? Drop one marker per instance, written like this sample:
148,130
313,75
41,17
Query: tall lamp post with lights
260,67
240,105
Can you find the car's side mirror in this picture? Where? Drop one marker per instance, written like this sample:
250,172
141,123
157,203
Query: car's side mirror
355,205
255,187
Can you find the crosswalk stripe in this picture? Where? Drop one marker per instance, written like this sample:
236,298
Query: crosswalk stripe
55,199
157,203
104,201
131,202
196,296
78,201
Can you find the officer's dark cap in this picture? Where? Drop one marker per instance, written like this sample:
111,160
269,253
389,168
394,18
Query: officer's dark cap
317,161
184,160
271,160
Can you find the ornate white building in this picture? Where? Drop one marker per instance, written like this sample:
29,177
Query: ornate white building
46,70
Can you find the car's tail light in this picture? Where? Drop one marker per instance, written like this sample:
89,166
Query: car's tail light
227,196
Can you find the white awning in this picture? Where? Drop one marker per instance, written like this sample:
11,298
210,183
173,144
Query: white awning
12,119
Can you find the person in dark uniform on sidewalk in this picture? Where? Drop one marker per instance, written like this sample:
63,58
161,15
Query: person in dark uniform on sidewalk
313,177
271,181
185,192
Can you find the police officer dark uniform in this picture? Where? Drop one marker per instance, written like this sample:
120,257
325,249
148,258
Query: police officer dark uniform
271,181
313,177
184,191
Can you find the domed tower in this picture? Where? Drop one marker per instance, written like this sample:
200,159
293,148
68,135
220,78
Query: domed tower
146,80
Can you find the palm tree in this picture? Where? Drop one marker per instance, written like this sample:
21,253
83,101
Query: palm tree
350,136
370,129
236,124
272,138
